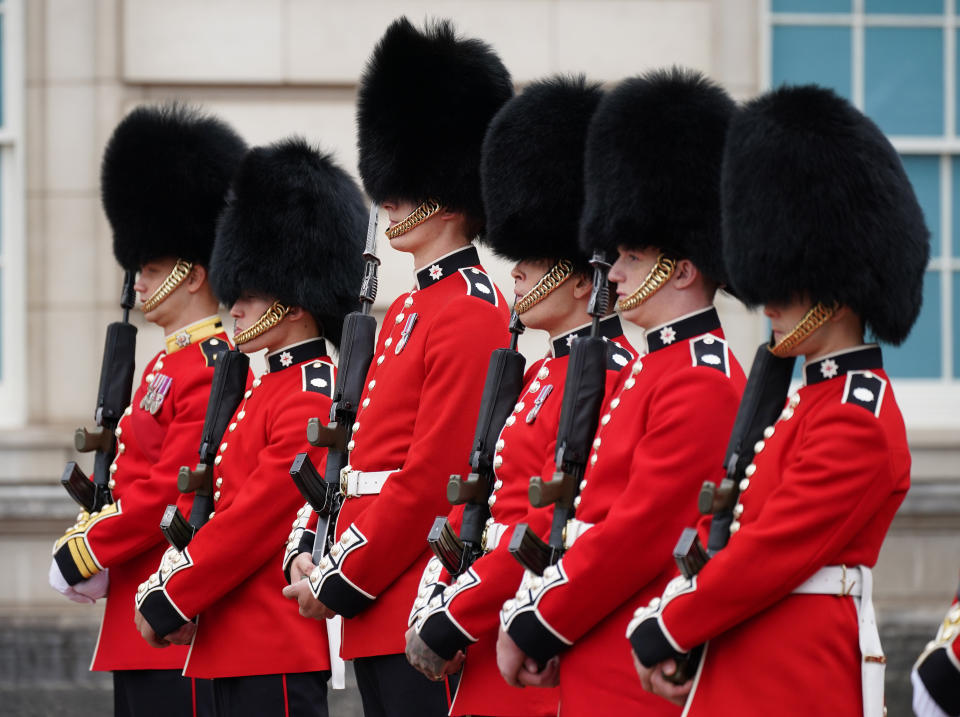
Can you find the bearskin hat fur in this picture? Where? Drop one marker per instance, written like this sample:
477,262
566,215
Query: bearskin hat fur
652,168
294,230
531,171
163,181
425,100
816,202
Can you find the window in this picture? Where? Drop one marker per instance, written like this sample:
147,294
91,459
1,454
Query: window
897,61
13,308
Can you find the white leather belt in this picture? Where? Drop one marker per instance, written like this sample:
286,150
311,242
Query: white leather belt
573,530
356,483
492,535
857,583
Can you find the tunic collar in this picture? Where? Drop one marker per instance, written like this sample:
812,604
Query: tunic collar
682,328
447,265
197,331
610,328
839,363
296,354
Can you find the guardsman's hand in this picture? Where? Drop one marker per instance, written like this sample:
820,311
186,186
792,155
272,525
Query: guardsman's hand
183,635
146,632
309,605
519,670
429,662
653,680
301,567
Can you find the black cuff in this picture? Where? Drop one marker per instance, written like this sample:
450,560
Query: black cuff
163,617
443,636
650,645
533,637
68,568
341,597
941,679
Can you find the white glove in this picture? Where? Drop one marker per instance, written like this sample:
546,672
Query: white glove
86,591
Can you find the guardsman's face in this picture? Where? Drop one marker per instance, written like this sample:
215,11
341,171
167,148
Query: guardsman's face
421,235
551,310
629,271
245,312
149,279
784,317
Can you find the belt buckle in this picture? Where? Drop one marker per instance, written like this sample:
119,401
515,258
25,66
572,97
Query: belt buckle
345,481
845,587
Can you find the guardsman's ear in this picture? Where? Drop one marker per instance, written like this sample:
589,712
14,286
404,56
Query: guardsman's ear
196,278
296,313
582,286
685,274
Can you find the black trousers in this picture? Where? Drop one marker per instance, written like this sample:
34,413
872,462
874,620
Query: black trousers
391,687
160,693
298,694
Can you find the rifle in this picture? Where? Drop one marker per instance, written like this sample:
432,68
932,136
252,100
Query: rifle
226,392
113,396
579,414
762,401
500,392
356,353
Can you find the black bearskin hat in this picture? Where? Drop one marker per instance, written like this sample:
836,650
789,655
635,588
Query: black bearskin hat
816,202
293,230
532,171
163,181
425,100
652,168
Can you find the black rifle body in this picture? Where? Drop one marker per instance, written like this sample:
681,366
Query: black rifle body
762,401
113,397
226,392
501,389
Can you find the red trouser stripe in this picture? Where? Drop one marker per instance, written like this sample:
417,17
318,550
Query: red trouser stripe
286,702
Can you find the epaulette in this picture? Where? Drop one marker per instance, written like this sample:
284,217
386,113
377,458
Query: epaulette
712,351
213,347
479,285
617,356
318,377
865,389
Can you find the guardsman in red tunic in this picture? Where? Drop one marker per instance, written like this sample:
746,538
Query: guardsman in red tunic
287,260
164,177
822,227
425,100
652,173
532,179
936,676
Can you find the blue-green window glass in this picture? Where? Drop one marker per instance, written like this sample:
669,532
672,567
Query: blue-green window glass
904,7
956,324
814,54
2,38
811,6
903,79
924,173
955,234
920,355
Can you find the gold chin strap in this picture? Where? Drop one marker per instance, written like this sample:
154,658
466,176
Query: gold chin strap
560,272
662,270
176,276
415,218
270,318
811,321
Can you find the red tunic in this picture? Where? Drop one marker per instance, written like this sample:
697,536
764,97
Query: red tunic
662,434
230,573
417,417
469,613
125,537
827,482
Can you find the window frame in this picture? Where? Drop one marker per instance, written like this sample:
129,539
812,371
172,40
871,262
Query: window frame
13,300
